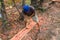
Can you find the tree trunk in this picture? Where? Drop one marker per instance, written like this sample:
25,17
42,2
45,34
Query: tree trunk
16,6
23,2
3,14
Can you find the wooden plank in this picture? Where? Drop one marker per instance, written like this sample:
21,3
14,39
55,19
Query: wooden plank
24,31
56,0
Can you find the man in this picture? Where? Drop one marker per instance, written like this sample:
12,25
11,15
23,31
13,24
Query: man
27,13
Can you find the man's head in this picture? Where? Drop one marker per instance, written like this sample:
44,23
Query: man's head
26,8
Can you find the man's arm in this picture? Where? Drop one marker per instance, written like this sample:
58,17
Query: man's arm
21,16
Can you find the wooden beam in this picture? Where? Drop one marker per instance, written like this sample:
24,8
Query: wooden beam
24,31
56,0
